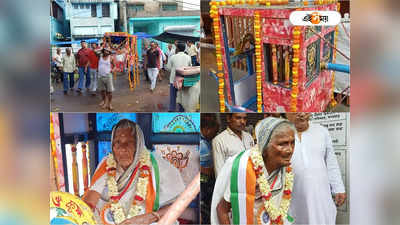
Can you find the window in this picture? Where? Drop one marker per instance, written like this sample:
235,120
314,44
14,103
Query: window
81,6
313,60
169,7
327,56
278,64
57,11
75,6
94,10
136,7
106,9
87,6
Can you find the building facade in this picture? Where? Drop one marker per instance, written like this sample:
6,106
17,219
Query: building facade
153,16
58,29
90,18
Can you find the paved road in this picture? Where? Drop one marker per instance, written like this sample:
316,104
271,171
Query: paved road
124,100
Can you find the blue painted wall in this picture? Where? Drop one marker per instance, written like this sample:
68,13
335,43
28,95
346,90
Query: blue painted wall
156,25
56,26
59,26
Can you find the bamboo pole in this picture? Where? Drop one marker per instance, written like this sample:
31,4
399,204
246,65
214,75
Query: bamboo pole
181,203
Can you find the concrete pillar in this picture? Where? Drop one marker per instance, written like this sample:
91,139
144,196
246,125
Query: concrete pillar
123,15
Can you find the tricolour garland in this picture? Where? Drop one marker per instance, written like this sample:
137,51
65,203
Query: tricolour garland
138,204
247,172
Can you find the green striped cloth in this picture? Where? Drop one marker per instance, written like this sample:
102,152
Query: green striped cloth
190,80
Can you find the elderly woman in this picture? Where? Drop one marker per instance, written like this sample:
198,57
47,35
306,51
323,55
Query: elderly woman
131,185
254,186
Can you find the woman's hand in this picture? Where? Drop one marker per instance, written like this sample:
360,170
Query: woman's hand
223,209
140,219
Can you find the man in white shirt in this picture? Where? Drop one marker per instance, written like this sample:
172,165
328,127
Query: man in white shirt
231,141
170,52
69,67
192,52
57,59
180,59
316,174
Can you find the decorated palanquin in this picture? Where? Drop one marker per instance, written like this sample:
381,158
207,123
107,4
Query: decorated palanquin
128,44
66,208
281,63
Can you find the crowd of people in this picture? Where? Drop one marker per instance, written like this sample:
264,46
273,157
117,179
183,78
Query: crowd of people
180,55
285,173
97,65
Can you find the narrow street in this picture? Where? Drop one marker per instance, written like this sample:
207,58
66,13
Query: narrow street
124,100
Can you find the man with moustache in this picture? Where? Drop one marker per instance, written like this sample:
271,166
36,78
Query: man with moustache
231,141
318,187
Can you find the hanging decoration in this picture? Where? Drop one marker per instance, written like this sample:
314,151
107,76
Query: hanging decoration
257,35
218,52
295,68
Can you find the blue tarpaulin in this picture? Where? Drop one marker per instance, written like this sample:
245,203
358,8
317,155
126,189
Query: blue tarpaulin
141,35
93,40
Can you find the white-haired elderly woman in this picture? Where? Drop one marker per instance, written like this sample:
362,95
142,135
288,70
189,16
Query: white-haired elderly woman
254,186
131,185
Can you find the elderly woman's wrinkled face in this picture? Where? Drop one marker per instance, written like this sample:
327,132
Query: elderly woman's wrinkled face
280,149
124,147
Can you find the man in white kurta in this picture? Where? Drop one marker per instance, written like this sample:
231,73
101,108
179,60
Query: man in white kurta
231,141
318,185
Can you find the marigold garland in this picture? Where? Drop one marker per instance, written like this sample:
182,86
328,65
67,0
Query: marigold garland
257,37
141,188
276,214
218,52
295,68
214,5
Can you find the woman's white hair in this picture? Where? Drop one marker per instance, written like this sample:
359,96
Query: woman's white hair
281,128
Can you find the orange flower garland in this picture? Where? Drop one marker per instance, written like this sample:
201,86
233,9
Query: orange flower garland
249,2
257,35
218,53
295,68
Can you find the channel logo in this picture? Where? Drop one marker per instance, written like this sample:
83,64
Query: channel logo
315,18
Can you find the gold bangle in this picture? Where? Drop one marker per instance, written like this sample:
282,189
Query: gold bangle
156,215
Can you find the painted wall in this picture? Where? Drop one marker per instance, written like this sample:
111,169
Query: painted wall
83,25
338,125
156,25
56,26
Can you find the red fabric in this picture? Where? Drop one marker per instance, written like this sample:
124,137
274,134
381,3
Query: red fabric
94,60
184,221
83,56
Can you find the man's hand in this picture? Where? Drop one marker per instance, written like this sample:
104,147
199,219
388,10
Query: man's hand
340,198
85,69
140,219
